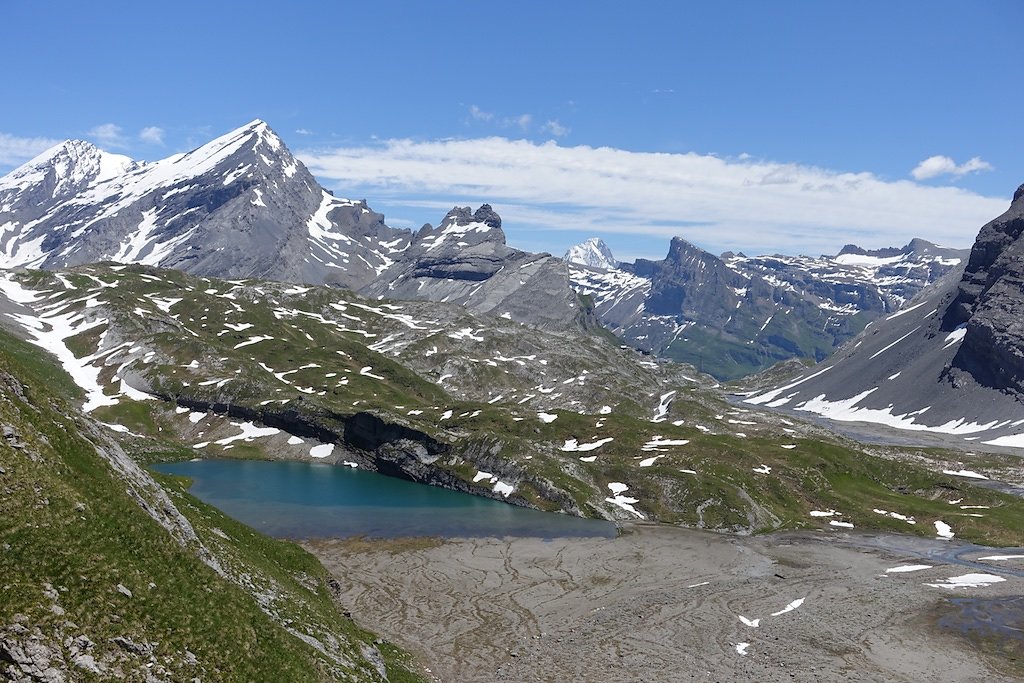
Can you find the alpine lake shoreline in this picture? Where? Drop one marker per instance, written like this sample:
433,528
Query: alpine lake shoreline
658,602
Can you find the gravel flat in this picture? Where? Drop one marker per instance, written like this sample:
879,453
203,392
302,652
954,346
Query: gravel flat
664,604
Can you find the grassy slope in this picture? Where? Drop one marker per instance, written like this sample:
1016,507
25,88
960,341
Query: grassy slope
66,520
819,473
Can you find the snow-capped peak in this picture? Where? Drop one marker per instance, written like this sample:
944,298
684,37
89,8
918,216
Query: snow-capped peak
916,251
594,253
264,133
70,166
255,135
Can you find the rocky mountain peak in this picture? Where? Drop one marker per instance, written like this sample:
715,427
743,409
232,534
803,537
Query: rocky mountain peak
681,251
263,133
852,249
1019,193
915,253
884,252
919,246
67,168
458,215
463,228
464,215
238,206
593,253
488,216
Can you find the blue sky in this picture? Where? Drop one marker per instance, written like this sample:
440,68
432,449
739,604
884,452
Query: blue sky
791,127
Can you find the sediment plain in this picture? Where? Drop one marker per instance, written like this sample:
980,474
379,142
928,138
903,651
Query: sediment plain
668,604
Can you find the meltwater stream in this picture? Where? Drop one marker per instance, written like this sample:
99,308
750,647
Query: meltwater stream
301,500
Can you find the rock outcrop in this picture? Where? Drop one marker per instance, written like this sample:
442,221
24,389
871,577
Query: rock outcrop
466,261
990,303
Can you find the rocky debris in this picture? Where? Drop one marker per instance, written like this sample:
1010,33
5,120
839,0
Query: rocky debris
130,646
372,655
11,436
88,663
124,590
30,658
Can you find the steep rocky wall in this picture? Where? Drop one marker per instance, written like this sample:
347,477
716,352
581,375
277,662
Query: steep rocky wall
990,302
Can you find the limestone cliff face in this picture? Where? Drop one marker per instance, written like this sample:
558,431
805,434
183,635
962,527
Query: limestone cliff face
990,301
466,261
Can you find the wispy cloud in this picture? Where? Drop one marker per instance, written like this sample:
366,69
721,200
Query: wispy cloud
109,135
523,121
555,128
717,203
303,131
152,134
16,150
478,114
520,121
939,165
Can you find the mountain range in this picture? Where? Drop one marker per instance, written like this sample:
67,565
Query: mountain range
242,206
733,315
951,363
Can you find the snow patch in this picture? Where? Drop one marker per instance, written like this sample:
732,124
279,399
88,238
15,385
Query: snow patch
790,607
965,473
905,568
572,445
322,450
968,581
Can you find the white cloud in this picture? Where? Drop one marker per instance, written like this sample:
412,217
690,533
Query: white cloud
555,128
717,203
109,135
937,165
479,114
152,134
523,121
15,151
303,131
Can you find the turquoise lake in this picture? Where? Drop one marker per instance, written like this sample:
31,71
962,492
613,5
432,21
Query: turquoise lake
300,500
